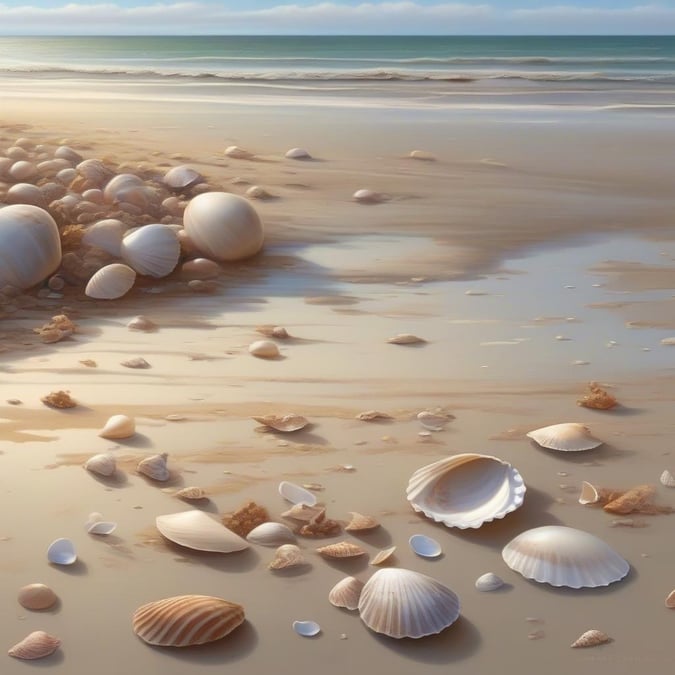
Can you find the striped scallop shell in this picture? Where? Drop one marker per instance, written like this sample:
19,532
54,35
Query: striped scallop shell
111,282
346,593
152,250
342,549
402,603
566,437
35,646
564,556
271,534
186,620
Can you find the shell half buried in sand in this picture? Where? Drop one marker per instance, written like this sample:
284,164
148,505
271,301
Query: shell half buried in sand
37,645
285,423
195,530
566,437
186,620
346,593
466,490
406,339
667,479
401,603
670,600
264,349
564,556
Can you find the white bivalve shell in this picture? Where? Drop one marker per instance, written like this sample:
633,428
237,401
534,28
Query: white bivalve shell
306,628
62,552
30,247
104,464
264,349
182,177
466,490
402,603
118,426
346,593
566,437
106,234
152,250
223,226
488,582
155,467
298,153
271,534
194,529
564,556
119,186
111,282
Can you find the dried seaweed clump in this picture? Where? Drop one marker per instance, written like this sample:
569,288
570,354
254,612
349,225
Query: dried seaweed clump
59,328
636,500
244,519
71,237
59,399
597,398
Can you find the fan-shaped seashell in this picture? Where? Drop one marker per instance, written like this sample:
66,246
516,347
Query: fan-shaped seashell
341,549
264,349
567,437
111,282
95,172
152,250
61,552
288,555
37,645
186,620
118,426
402,603
285,423
370,415
368,197
564,556
155,467
120,183
591,638
36,596
424,546
302,512
346,593
182,177
489,582
235,152
382,556
306,628
359,522
667,479
200,268
106,234
104,464
194,529
433,421
298,153
271,534
670,600
191,493
27,194
405,339
296,494
223,226
141,322
22,170
67,153
138,363
30,246
466,490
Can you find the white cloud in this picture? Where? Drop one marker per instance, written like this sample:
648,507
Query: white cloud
330,17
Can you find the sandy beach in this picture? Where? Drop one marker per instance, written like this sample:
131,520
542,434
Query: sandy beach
533,252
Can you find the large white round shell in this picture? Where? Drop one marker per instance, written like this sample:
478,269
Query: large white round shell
466,490
30,247
194,529
564,556
62,552
118,426
567,437
152,250
271,534
111,282
223,226
106,234
402,603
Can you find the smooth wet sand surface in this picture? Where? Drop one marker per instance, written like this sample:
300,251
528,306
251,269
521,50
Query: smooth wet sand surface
528,280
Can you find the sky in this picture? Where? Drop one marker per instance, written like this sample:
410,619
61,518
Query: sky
298,17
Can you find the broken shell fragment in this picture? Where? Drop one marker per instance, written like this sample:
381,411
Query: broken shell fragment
306,628
59,399
62,552
670,600
186,620
382,556
191,493
593,494
284,423
591,638
567,437
302,512
104,464
288,555
488,582
196,530
138,363
346,593
35,646
96,525
118,426
271,534
342,549
278,332
636,499
320,526
424,546
264,349
405,339
296,494
359,522
370,415
155,467
36,596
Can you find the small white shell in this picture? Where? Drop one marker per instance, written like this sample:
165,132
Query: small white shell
285,423
106,234
62,552
424,546
567,437
288,555
155,467
120,184
306,628
298,153
667,479
271,534
152,250
141,322
111,282
489,582
104,464
346,593
589,493
118,426
368,197
235,152
194,529
264,349
564,556
591,638
433,421
296,494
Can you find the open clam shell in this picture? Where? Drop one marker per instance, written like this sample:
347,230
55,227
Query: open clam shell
296,494
194,529
402,603
424,546
566,437
466,490
564,556
346,593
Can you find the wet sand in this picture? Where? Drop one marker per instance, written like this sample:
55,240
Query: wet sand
529,275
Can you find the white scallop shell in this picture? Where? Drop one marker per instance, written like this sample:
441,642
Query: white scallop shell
106,234
111,282
120,184
306,628
402,603
346,593
223,226
182,177
30,246
118,426
271,534
466,490
62,552
264,349
194,529
152,250
564,556
296,494
424,546
104,464
667,479
489,582
155,467
298,153
567,437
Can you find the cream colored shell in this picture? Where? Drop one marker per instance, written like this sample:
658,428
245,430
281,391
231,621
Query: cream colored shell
346,593
111,282
36,645
194,529
118,426
566,437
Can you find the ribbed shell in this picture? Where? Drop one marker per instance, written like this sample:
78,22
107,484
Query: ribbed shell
466,490
155,467
346,593
271,534
106,235
104,464
402,603
591,638
359,522
566,437
35,646
342,549
194,529
186,620
152,250
111,282
564,556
